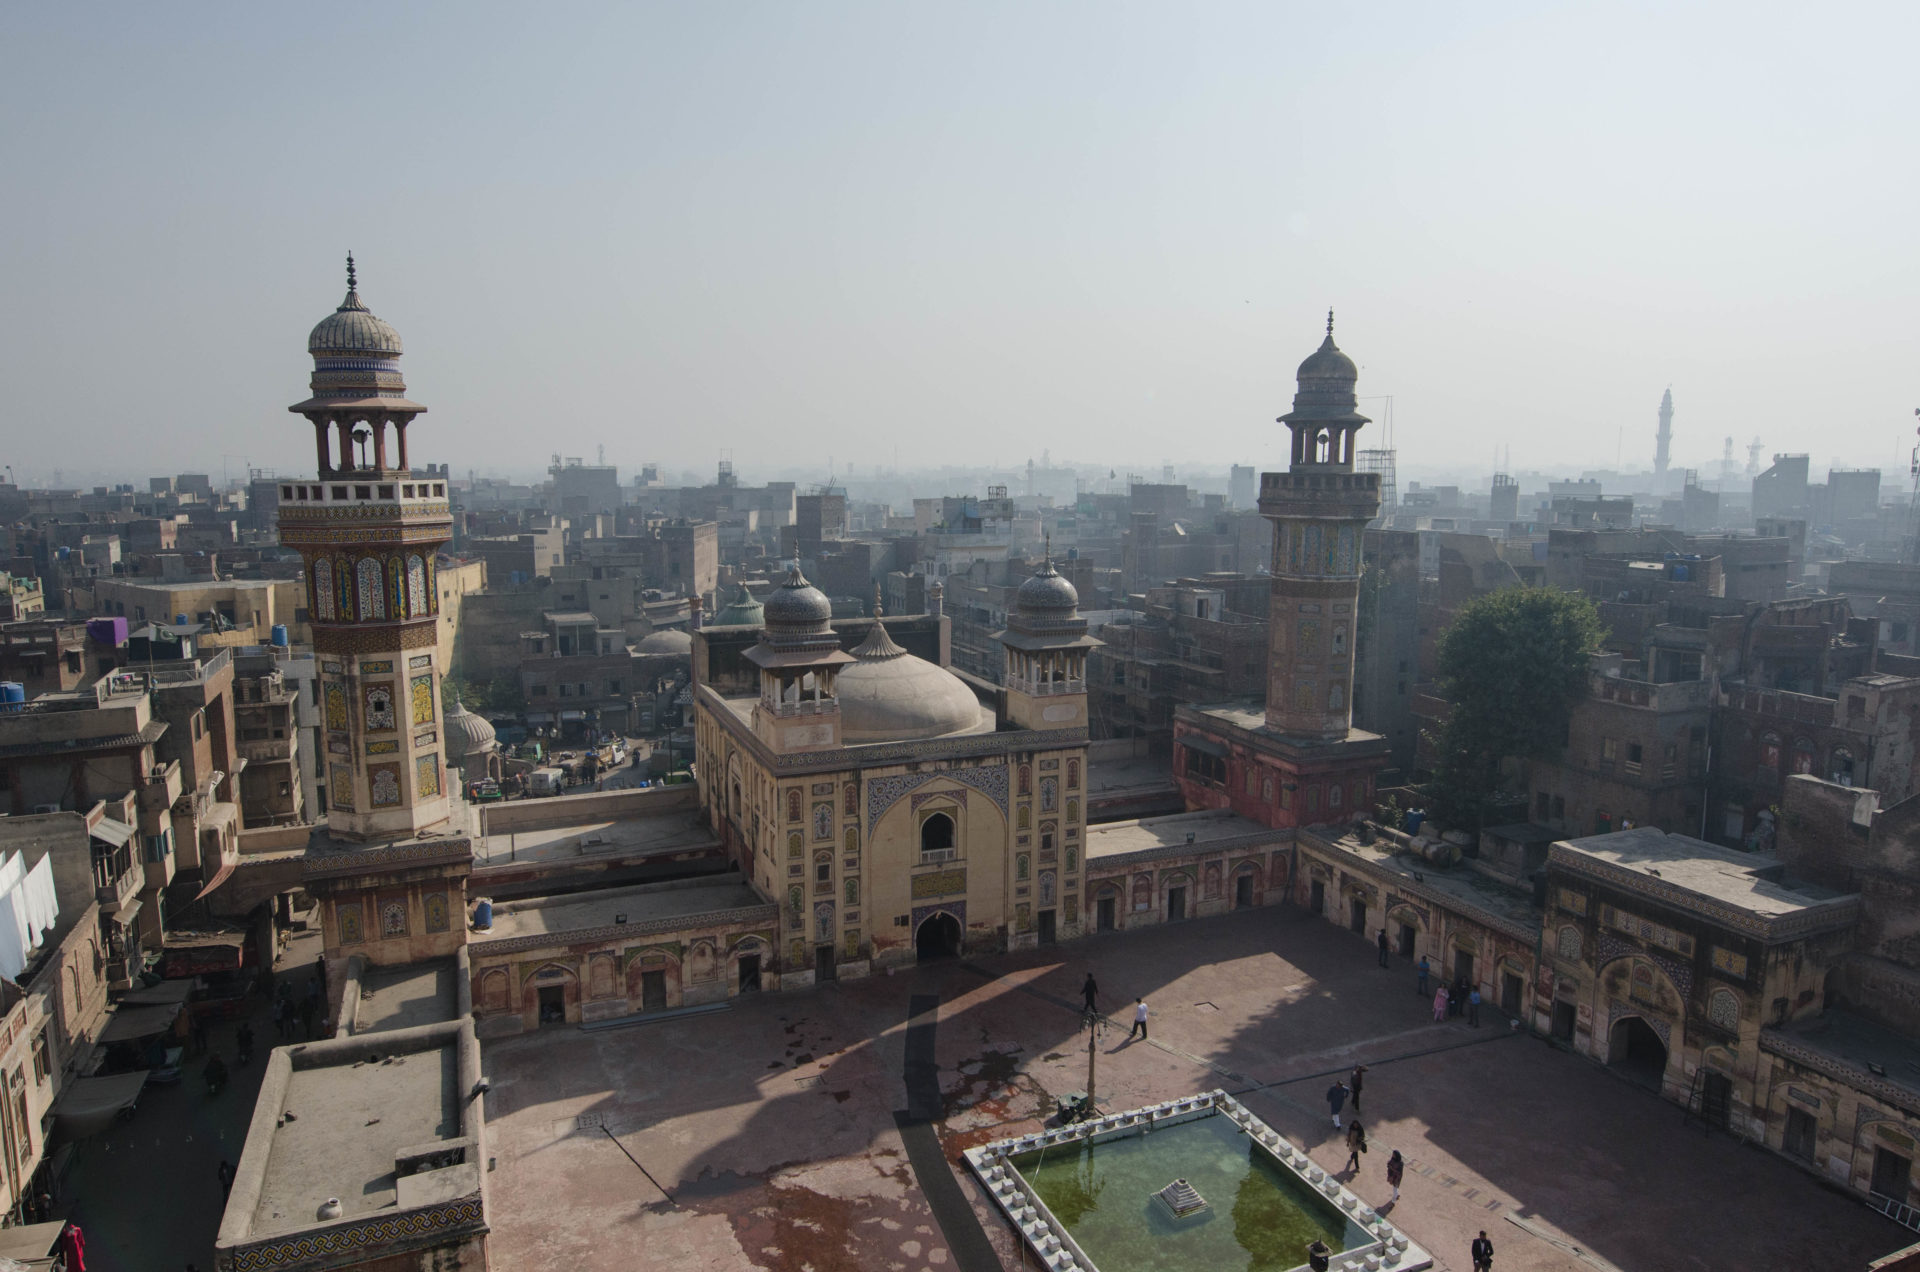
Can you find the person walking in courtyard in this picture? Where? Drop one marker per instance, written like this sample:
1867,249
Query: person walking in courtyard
1354,1080
1424,969
320,971
1473,1006
1337,1100
1090,992
1482,1251
1383,947
1396,1167
1319,1255
1440,1005
1139,1020
1356,1144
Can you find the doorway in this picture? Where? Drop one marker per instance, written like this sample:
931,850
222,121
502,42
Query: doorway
938,937
1317,897
1103,915
1407,937
1463,967
1176,904
1799,1136
1563,1017
1636,1051
1510,989
1716,1099
1357,915
1046,927
1243,892
822,963
1892,1174
749,973
653,991
553,1004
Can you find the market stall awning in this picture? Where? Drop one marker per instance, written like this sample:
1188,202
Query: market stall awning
131,1025
27,1242
167,991
89,1105
219,876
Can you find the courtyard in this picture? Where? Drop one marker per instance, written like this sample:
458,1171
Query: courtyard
821,1130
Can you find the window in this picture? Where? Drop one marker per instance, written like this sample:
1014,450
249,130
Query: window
1559,807
1723,1009
1633,752
159,847
936,833
566,691
1568,946
42,1057
1609,750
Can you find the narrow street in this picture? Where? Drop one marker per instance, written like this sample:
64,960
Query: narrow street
147,1191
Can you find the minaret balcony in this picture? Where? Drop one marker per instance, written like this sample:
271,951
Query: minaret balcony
1045,688
366,488
1320,492
805,707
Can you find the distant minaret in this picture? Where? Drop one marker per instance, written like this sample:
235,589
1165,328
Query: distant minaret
1664,437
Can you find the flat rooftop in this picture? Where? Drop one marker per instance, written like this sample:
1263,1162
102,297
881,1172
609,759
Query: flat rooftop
1134,773
664,832
1460,886
1180,832
643,903
404,996
1859,1042
1725,875
1252,718
348,1121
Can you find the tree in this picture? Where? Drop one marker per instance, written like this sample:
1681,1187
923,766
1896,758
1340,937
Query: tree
1512,665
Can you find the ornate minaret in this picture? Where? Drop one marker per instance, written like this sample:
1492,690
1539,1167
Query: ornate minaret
367,532
1664,437
1319,508
1047,643
1299,761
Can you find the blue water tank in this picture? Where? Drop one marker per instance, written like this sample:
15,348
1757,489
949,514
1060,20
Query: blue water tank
483,916
1414,817
278,637
1680,573
64,553
179,620
12,695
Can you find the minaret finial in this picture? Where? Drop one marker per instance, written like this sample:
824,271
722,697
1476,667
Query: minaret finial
1046,539
1329,320
351,284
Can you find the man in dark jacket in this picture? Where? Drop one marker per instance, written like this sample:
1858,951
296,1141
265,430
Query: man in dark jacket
1482,1250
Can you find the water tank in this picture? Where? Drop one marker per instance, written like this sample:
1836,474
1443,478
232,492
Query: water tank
278,637
64,553
1414,817
483,915
179,620
12,695
1680,573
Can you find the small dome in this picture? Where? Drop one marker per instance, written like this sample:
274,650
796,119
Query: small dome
741,611
666,641
1046,590
467,733
352,328
798,607
1328,363
888,695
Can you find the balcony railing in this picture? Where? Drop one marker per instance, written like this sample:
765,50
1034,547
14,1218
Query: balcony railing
1046,688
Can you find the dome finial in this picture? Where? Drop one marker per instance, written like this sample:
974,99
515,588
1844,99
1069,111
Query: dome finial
1046,550
1329,320
351,284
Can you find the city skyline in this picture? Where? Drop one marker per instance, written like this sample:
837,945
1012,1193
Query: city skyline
863,233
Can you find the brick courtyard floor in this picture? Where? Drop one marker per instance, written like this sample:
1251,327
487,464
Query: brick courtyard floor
764,1137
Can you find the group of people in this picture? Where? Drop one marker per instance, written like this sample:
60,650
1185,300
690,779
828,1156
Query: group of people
290,1008
1448,1000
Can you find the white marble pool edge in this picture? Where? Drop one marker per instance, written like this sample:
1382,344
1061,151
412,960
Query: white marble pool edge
1389,1251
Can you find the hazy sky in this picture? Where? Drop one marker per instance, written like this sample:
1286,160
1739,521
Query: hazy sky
962,231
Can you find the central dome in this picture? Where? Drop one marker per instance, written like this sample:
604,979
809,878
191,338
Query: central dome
888,695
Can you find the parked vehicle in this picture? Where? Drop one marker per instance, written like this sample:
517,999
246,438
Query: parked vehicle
546,781
484,791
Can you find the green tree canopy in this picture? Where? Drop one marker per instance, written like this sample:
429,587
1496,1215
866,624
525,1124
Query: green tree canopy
1512,665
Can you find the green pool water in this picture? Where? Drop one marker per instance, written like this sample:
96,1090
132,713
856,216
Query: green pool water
1261,1216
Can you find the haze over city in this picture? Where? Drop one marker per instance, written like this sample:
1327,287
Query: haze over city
920,236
